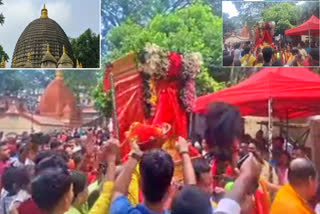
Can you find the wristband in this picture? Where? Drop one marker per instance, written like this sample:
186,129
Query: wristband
136,156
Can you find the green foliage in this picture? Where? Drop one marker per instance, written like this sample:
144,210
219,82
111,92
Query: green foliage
102,100
307,9
250,12
192,29
285,15
80,82
3,54
10,82
1,15
206,84
86,49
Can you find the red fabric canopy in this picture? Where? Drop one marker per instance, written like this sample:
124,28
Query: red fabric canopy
312,24
295,93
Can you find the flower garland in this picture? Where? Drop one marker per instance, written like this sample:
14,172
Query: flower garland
191,67
156,63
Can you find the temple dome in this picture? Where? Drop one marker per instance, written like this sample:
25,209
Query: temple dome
34,40
58,101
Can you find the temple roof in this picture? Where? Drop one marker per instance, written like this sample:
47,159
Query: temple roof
35,38
65,58
48,56
57,98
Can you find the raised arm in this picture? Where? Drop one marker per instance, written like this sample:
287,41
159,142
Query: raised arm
124,179
188,171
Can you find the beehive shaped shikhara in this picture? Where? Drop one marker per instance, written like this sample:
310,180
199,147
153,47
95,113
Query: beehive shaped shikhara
35,38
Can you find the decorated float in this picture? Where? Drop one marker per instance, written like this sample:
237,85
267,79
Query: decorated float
152,91
263,31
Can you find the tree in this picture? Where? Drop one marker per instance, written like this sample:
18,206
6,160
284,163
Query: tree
86,49
229,24
192,29
250,12
80,82
3,54
285,15
10,83
306,10
1,15
115,12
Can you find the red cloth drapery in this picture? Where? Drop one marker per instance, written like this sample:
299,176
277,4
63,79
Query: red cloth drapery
295,93
312,25
130,107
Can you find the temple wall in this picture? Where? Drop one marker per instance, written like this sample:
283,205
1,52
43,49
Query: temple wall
18,125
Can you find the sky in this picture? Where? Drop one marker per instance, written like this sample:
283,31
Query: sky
229,8
74,16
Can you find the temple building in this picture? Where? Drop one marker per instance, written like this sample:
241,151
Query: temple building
57,109
245,32
43,44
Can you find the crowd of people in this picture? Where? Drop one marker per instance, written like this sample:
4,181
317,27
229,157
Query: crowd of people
245,55
80,172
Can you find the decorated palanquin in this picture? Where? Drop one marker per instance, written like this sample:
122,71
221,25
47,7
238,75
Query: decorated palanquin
154,91
264,31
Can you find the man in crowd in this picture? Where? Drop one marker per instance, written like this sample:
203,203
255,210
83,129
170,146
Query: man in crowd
248,59
267,56
293,197
4,157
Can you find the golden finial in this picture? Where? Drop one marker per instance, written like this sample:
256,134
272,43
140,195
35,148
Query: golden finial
44,12
3,63
78,65
14,61
29,57
48,48
81,65
59,74
63,49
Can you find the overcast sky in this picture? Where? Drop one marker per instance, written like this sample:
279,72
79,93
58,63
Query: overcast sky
229,8
74,16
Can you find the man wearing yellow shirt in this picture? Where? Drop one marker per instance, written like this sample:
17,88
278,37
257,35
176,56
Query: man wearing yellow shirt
293,197
247,59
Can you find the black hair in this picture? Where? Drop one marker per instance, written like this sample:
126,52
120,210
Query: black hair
42,155
223,126
40,138
55,144
314,53
49,186
191,200
300,170
64,155
79,181
13,179
277,63
200,166
237,46
227,60
267,54
156,170
77,158
247,50
53,161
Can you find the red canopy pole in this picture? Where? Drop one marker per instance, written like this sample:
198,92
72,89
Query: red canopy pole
270,126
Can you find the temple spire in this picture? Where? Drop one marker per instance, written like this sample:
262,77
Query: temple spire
59,74
64,49
44,12
48,48
3,63
29,57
